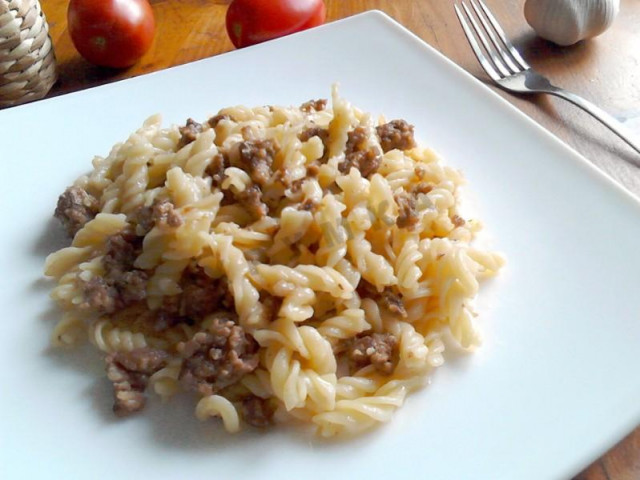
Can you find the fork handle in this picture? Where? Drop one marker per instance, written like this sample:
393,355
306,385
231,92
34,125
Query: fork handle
614,125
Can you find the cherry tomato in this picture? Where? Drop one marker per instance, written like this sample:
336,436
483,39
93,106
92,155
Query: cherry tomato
111,33
255,21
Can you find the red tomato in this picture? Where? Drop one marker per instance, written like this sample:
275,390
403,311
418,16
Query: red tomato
111,33
254,21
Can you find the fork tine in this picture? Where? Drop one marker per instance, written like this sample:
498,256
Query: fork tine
495,58
475,47
504,54
512,50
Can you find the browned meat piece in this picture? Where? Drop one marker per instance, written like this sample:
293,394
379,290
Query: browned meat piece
367,290
129,372
99,295
251,199
369,162
122,250
216,169
422,187
387,298
258,411
168,315
198,301
457,220
214,121
357,154
145,361
356,140
256,158
219,357
131,287
75,208
189,132
162,213
202,295
314,105
397,134
378,349
393,302
271,304
113,294
407,213
143,218
122,284
248,133
228,198
321,133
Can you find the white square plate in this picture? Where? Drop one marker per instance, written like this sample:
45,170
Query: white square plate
555,383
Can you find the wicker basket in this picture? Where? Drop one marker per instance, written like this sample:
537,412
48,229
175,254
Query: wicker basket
27,61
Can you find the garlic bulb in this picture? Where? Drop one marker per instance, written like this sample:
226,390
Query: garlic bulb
566,22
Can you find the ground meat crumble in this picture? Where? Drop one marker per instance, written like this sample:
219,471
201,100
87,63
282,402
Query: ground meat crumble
75,208
201,295
189,132
99,295
387,298
122,284
407,212
378,349
257,411
357,154
129,372
215,120
421,187
216,169
168,315
323,134
314,105
162,213
122,250
256,158
393,303
251,199
271,304
457,221
397,134
367,290
219,357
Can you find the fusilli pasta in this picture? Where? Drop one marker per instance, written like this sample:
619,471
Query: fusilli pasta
280,262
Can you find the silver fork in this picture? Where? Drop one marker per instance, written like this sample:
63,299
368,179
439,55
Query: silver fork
508,69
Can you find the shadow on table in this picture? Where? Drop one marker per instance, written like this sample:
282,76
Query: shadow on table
545,55
76,73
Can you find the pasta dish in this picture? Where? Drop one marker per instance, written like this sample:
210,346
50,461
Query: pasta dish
281,263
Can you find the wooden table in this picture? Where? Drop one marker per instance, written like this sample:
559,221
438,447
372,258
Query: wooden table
605,70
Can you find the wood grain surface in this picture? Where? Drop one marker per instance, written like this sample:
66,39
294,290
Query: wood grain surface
605,70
